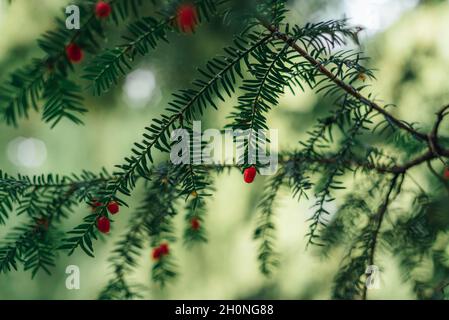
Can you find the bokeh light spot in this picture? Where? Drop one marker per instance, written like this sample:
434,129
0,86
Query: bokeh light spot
27,152
139,87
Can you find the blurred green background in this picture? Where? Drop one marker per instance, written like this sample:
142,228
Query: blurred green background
407,40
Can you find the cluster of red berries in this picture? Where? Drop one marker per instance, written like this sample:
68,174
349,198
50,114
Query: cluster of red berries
103,222
186,17
160,251
73,51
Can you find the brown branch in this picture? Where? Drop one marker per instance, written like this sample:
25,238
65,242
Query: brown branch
433,136
348,88
380,217
393,169
440,116
435,150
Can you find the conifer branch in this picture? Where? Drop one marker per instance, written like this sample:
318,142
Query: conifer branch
268,62
186,104
36,81
195,231
319,218
265,227
379,219
106,67
124,257
349,89
261,95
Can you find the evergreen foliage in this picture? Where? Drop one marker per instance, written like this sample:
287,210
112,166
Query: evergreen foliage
267,58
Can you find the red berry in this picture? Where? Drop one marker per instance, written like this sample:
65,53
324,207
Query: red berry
103,9
95,204
195,224
446,173
74,53
186,17
164,249
103,224
157,253
249,174
113,207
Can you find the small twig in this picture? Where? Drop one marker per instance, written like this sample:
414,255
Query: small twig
349,89
416,183
440,117
380,217
438,176
433,135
